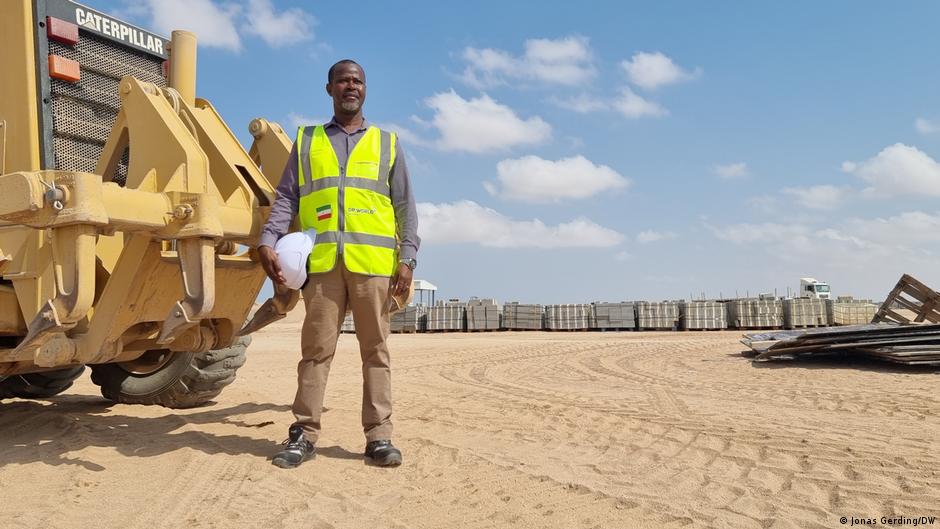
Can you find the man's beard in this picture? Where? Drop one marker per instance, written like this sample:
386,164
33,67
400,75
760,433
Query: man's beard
351,106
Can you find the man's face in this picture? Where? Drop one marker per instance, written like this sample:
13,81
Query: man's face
348,88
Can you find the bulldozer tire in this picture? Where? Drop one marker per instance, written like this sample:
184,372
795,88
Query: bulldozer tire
39,385
186,381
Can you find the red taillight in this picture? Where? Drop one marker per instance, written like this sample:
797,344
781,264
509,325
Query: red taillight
64,69
62,31
166,69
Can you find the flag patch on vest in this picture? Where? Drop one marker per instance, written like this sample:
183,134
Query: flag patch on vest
324,212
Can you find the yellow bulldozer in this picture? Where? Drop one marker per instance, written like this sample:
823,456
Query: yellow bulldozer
129,212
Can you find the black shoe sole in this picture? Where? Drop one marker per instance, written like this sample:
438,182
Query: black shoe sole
283,463
391,460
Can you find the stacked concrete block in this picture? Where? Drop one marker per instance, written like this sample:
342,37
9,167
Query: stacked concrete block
412,318
614,316
447,316
568,317
755,313
483,315
702,315
804,312
522,317
348,325
657,315
849,311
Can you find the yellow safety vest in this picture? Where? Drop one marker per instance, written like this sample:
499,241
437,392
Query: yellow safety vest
351,206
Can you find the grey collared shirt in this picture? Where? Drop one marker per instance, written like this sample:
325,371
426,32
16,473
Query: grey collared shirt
287,198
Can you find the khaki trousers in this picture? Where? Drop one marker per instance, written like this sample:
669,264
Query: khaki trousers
326,297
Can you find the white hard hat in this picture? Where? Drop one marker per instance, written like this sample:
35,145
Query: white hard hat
292,251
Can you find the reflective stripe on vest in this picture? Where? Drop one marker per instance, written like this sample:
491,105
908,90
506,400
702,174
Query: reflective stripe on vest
351,206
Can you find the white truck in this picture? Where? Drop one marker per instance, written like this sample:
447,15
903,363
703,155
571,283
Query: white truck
811,288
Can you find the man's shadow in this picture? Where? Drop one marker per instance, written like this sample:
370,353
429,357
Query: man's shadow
337,452
34,431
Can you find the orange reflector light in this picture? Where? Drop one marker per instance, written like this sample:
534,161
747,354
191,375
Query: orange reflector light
65,69
62,31
166,69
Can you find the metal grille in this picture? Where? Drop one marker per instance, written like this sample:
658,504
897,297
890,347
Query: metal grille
83,113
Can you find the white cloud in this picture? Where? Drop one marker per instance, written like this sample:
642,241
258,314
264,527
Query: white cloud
629,103
834,235
536,180
648,236
564,61
217,24
582,103
482,125
850,243
468,222
214,25
632,105
859,255
925,126
802,245
731,171
855,248
898,170
768,232
767,204
908,228
652,70
405,134
623,256
295,120
278,29
819,197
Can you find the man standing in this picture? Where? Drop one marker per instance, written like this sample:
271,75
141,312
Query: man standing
348,180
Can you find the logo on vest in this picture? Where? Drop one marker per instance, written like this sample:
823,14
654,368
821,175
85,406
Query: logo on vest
324,212
361,211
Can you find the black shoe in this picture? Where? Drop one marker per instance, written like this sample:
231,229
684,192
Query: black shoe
297,449
383,454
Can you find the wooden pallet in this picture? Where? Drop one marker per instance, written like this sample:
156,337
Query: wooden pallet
914,296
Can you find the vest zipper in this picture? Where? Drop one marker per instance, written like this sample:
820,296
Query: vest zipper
341,205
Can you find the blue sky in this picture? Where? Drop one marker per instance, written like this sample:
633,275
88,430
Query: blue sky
570,152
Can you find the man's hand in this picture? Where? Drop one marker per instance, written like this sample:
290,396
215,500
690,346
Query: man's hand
401,282
270,264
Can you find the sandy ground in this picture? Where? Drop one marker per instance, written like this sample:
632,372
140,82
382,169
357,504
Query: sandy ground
559,430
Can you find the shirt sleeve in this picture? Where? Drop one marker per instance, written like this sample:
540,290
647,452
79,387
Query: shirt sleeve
286,203
406,213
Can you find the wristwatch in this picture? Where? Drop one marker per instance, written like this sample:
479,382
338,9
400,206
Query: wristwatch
410,263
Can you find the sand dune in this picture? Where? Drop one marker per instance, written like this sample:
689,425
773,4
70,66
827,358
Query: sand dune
528,430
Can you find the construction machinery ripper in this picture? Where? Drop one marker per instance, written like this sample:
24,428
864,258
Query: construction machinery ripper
128,212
